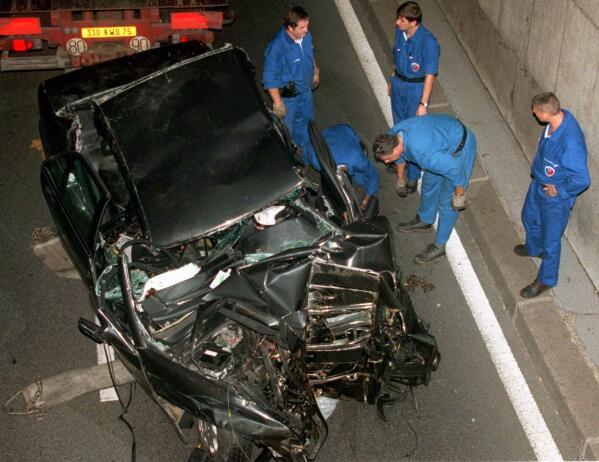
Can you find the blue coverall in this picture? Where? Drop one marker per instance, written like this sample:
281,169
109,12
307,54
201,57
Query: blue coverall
345,146
560,160
414,57
430,142
288,61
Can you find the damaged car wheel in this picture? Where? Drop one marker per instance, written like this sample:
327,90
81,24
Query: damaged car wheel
220,445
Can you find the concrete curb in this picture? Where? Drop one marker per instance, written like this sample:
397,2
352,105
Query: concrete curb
561,360
566,375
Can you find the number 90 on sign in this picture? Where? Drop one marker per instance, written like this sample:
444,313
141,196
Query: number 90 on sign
139,43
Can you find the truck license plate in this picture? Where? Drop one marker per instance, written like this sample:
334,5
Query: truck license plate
108,32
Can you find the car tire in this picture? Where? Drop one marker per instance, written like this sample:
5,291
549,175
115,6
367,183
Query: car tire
223,445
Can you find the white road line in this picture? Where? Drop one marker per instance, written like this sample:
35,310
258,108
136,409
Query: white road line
513,381
108,394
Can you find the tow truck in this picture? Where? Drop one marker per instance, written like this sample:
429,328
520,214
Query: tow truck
64,34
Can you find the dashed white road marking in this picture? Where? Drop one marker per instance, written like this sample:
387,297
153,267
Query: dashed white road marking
507,367
108,394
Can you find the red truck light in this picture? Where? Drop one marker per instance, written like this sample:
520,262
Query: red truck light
191,20
25,44
194,20
20,26
21,45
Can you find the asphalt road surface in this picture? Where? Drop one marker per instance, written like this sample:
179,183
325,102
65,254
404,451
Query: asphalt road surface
464,414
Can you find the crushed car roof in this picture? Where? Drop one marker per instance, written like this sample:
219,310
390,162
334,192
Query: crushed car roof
199,146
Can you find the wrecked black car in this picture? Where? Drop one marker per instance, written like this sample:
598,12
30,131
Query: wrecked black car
230,286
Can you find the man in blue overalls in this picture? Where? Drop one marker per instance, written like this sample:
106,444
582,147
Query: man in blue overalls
559,174
349,154
290,75
416,59
445,149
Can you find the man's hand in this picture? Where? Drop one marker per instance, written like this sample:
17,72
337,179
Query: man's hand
400,187
422,110
458,202
550,190
316,78
364,202
280,110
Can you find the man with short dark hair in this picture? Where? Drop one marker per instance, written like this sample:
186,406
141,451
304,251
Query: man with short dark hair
559,174
290,75
416,64
445,150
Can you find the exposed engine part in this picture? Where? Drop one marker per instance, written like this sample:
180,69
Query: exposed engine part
217,355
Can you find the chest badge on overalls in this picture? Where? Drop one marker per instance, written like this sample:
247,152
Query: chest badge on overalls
549,170
415,67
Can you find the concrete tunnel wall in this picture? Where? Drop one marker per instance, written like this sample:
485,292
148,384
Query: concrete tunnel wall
523,47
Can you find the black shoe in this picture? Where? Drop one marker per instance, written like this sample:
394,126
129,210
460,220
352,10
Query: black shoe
413,225
411,187
521,251
432,252
534,289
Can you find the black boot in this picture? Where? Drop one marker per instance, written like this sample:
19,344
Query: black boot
413,225
431,253
521,251
534,289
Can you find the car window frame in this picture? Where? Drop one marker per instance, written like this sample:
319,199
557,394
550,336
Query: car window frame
83,255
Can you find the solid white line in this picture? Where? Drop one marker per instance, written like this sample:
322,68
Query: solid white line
507,367
370,65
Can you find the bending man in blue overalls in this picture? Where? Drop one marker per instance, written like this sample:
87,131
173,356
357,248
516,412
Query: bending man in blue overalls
290,75
348,153
559,174
445,149
416,58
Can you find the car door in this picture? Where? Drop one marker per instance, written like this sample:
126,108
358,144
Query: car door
77,199
336,184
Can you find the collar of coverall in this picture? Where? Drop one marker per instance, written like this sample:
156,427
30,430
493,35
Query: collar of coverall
415,34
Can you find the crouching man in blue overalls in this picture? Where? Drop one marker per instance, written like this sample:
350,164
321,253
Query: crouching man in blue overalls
290,75
445,150
346,148
559,174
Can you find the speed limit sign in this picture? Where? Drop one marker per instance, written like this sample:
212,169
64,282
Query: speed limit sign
139,43
76,46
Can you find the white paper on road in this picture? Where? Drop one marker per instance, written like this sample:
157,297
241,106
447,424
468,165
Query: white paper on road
507,367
